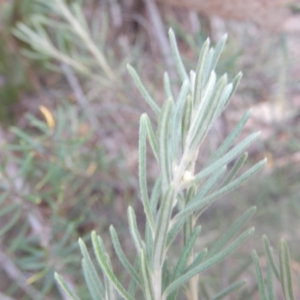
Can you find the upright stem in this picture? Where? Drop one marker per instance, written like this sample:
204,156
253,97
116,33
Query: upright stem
193,287
193,283
156,283
85,36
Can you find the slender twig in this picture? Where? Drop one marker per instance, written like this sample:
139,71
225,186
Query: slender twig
116,13
94,122
86,38
14,273
81,99
5,297
38,225
162,39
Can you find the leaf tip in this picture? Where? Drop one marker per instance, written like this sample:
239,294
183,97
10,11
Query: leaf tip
251,230
129,68
93,234
207,41
171,31
143,116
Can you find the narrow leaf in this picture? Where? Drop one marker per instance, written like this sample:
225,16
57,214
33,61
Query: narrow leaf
224,100
218,50
143,90
78,14
268,250
142,173
155,195
151,136
198,89
149,242
181,264
186,119
230,138
147,285
235,83
132,284
123,259
13,220
259,276
201,127
177,119
163,221
105,266
208,185
182,261
235,169
228,156
65,287
285,271
94,290
91,276
208,65
176,56
173,233
167,86
166,274
208,263
229,290
164,155
195,206
270,284
110,291
197,261
134,230
232,231
202,110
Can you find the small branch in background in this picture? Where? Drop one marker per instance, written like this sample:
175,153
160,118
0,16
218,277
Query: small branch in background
86,38
4,297
116,13
117,19
194,22
70,286
17,186
94,122
39,227
81,99
14,273
162,39
86,107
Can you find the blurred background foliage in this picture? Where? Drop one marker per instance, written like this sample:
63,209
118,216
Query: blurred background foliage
69,125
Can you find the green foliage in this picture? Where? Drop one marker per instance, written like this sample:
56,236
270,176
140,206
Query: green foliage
282,273
13,70
48,195
182,192
61,32
49,189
